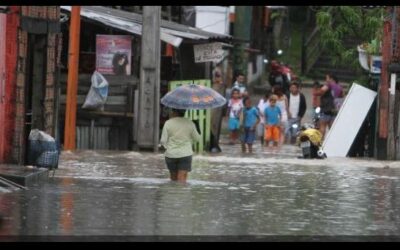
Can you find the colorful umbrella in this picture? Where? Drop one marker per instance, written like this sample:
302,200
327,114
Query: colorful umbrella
193,96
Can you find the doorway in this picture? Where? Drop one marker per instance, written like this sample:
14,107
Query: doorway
36,65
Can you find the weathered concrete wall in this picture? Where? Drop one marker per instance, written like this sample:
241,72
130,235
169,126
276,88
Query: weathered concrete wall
7,119
12,147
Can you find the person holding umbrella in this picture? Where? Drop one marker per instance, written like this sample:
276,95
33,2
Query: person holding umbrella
178,132
177,137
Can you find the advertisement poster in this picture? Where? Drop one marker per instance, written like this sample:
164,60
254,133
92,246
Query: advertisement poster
113,54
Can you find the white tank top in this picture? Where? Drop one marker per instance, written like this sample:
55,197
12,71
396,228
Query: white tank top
282,105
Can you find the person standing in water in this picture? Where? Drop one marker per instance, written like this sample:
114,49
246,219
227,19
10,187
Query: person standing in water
273,117
177,137
251,118
235,107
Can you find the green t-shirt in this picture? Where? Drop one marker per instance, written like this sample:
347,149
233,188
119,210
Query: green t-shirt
177,137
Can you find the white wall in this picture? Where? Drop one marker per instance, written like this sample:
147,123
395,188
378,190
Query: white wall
213,19
253,76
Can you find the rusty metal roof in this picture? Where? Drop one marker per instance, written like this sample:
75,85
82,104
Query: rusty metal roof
171,32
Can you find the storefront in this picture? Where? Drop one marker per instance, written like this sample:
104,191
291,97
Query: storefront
113,127
29,59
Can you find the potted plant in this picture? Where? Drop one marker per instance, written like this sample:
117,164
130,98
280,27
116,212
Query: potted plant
369,55
363,56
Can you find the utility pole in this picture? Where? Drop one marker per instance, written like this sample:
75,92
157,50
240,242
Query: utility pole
392,79
394,93
149,88
72,88
387,140
384,95
394,68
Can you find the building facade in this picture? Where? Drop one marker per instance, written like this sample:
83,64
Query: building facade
29,57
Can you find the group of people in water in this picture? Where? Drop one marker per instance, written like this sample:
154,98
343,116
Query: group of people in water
271,120
279,111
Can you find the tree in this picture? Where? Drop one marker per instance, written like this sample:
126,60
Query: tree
339,22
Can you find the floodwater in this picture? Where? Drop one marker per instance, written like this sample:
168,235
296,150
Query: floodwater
268,193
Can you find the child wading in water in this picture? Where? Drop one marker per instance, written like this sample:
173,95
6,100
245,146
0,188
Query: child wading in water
235,107
273,117
262,104
250,120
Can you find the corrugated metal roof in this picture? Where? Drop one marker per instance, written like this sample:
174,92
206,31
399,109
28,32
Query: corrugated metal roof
171,32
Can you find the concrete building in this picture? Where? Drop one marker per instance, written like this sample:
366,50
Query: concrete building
29,54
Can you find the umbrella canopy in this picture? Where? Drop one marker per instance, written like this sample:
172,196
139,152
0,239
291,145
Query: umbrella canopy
193,96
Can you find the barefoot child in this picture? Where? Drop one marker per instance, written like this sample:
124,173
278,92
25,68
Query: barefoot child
250,120
262,104
235,107
273,117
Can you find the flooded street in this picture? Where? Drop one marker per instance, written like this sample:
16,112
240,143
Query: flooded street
268,193
91,96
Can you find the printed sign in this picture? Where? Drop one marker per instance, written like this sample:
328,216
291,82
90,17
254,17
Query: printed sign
211,52
113,54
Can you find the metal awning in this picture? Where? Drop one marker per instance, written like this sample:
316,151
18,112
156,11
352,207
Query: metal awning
171,32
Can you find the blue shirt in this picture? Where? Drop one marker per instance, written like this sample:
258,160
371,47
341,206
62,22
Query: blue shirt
250,116
272,115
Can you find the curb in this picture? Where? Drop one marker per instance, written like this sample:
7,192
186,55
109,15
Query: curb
23,176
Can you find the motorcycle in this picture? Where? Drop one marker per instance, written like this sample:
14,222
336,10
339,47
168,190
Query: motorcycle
282,75
310,143
293,133
316,117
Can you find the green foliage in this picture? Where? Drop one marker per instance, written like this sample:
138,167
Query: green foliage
296,14
275,15
337,23
292,55
363,80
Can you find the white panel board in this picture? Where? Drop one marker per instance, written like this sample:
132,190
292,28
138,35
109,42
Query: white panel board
213,19
348,121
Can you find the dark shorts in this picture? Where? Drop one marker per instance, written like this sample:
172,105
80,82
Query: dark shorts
175,164
327,117
248,136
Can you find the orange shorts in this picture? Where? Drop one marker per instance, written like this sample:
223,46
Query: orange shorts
272,133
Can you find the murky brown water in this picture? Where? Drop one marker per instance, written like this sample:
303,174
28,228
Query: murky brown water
128,193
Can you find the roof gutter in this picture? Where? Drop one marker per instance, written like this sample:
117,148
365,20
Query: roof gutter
131,27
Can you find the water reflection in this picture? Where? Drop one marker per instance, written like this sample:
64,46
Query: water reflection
130,194
67,207
9,209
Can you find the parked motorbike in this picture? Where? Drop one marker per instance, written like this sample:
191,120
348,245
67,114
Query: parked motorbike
282,75
310,142
316,117
293,133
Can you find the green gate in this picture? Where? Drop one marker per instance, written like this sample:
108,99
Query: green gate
203,117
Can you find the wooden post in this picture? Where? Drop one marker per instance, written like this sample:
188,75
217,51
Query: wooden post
217,113
207,70
383,99
72,88
149,88
397,121
391,141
